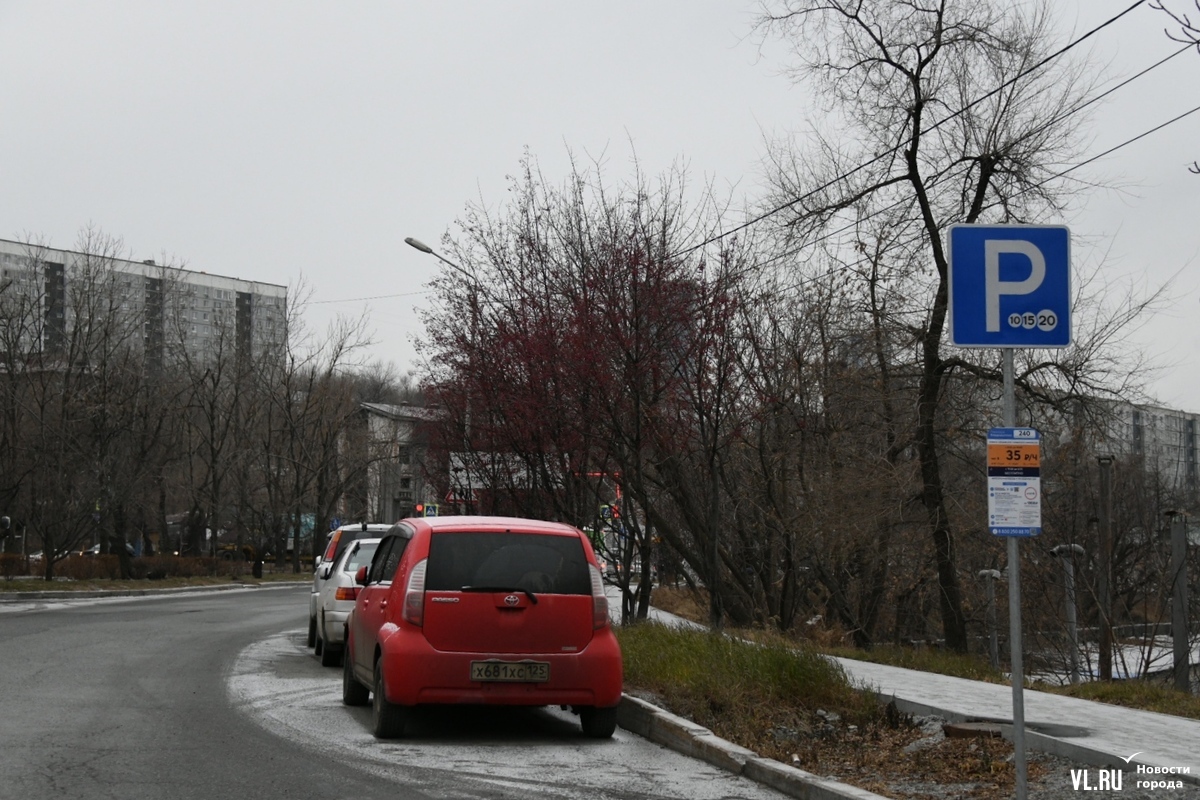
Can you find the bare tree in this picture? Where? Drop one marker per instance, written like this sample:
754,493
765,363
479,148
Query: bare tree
950,112
217,380
585,360
75,396
1187,32
309,411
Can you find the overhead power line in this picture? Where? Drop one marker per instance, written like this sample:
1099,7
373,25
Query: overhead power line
375,297
1048,124
893,150
846,268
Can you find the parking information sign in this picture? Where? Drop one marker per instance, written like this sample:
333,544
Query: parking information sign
1014,481
1010,285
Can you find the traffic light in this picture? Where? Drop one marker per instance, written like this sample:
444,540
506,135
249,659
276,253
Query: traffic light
419,510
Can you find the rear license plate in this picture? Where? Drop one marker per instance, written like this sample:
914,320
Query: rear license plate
514,671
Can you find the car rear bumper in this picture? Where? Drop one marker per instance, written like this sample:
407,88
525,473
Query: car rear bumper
335,624
416,674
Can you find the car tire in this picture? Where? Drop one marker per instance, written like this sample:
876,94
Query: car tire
331,655
598,723
312,631
353,692
387,718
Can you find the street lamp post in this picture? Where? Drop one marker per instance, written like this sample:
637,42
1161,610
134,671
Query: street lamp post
475,288
991,576
1181,644
1066,553
1104,565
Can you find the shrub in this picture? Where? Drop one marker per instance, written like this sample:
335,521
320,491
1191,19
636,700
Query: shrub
12,565
699,673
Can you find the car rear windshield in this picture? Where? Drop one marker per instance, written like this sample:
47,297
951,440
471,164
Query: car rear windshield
531,562
361,555
348,537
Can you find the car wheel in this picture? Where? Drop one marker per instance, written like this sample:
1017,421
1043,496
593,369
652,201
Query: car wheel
598,723
388,718
331,655
353,692
320,648
312,631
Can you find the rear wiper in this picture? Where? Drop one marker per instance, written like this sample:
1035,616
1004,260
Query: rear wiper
532,597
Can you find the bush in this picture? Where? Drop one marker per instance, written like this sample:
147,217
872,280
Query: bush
88,568
699,674
12,565
108,567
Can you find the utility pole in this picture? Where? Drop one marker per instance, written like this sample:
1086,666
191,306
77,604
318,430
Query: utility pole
1179,601
991,576
1104,578
1066,552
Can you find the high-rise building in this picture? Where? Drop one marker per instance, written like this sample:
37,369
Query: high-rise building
170,312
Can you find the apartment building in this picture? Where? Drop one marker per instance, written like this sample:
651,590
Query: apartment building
396,475
1164,439
172,311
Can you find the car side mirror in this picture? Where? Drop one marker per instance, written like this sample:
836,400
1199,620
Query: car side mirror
326,572
316,562
360,577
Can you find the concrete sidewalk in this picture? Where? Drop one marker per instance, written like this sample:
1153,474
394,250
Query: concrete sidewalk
1083,730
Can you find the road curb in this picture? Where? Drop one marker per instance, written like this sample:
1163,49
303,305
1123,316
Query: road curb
691,739
25,597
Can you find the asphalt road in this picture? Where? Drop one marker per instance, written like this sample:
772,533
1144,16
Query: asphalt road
214,695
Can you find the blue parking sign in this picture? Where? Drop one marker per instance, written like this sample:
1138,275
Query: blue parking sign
1010,285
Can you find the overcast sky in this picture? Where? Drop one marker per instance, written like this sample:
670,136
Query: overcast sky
296,141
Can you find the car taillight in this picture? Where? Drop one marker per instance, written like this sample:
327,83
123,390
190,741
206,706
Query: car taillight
346,593
599,601
414,595
331,550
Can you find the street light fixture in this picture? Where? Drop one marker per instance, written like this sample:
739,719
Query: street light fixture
424,248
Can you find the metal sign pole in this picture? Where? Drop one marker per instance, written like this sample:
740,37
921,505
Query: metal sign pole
1010,286
1014,608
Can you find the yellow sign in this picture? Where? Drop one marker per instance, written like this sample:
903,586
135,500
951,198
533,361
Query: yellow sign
1025,456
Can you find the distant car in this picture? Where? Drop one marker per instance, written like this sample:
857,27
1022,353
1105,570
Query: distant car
94,550
336,599
339,540
488,610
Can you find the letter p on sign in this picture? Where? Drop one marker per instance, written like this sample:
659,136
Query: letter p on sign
995,287
1009,285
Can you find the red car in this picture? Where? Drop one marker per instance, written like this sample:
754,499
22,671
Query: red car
488,610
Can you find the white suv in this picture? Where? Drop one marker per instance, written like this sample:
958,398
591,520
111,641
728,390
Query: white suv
339,540
336,599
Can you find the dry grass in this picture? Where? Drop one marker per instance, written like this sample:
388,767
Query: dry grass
942,662
1134,694
787,702
743,700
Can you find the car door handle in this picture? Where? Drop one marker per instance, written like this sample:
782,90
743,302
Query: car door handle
382,604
